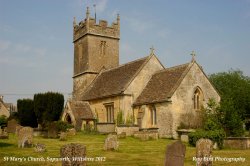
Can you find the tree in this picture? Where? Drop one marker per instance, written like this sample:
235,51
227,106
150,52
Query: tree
212,127
234,89
3,121
48,107
26,112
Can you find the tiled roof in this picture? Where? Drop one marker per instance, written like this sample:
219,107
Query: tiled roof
162,85
81,110
114,81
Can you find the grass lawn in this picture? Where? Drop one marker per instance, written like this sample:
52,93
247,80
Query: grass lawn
131,151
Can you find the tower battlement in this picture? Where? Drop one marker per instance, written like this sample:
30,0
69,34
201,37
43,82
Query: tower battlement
89,26
96,46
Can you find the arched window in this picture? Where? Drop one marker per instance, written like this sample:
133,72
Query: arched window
153,115
198,98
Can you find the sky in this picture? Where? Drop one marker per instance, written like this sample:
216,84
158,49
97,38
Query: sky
36,49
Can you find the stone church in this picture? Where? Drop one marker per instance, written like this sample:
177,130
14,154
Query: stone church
140,93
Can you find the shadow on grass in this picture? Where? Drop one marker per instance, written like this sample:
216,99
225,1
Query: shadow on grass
5,144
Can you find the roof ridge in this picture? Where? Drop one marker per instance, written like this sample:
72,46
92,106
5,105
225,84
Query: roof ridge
172,68
144,58
189,65
147,58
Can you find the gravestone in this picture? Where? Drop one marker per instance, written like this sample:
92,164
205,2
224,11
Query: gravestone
122,135
3,134
25,137
111,143
40,148
71,132
73,151
204,149
11,126
175,154
63,136
18,127
52,131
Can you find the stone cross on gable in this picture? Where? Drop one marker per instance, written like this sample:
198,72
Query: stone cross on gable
193,55
152,50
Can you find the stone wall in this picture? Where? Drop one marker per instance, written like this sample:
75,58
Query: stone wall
183,98
3,110
68,112
138,84
146,135
237,142
99,109
105,127
81,82
129,130
170,114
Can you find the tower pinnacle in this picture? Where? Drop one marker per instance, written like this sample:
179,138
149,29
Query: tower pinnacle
87,13
74,22
118,19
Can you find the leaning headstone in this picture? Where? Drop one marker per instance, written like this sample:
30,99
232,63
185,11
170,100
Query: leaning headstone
40,148
25,137
73,154
11,126
175,154
52,131
111,143
204,149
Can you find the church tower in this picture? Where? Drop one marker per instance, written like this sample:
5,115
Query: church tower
96,46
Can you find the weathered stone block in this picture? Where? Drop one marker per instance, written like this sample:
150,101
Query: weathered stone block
3,134
73,154
25,137
111,143
71,132
63,136
52,131
175,154
11,126
204,149
40,148
237,142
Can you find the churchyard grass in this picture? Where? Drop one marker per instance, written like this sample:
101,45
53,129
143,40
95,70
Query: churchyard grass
131,151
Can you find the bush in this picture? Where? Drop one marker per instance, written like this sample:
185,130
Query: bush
63,126
26,114
3,121
119,119
215,135
48,107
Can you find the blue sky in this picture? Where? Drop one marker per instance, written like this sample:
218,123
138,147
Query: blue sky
36,50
